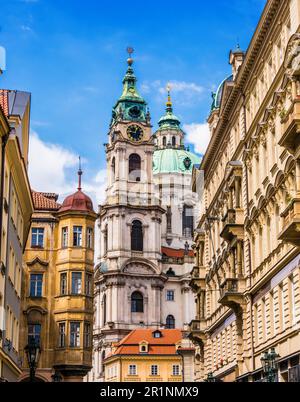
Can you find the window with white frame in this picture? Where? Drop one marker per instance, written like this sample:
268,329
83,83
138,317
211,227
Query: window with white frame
154,369
77,236
132,369
37,237
89,238
62,335
65,237
76,283
88,284
176,370
75,334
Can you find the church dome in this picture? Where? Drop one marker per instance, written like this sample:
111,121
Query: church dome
172,160
217,97
77,202
169,120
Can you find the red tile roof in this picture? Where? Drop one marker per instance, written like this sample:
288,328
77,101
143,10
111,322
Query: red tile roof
174,253
77,202
45,201
4,101
166,345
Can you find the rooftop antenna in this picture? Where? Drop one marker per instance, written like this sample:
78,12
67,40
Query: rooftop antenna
80,173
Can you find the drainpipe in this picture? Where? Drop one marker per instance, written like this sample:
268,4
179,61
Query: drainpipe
248,243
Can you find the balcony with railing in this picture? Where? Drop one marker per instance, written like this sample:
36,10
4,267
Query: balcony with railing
232,293
291,224
233,225
197,281
197,331
290,139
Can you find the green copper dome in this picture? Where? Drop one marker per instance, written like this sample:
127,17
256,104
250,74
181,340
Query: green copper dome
169,120
130,106
174,161
217,97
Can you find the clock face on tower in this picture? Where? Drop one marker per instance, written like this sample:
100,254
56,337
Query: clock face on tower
135,133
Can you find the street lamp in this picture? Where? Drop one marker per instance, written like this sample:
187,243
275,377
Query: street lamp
56,377
210,378
269,365
32,351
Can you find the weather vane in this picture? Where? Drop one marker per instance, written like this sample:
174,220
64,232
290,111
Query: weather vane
130,50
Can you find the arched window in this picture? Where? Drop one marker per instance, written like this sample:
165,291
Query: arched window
113,169
164,141
104,309
188,221
135,167
105,240
137,302
170,323
137,243
173,141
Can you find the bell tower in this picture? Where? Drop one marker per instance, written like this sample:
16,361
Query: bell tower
129,278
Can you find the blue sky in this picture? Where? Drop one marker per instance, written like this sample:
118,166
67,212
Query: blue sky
71,56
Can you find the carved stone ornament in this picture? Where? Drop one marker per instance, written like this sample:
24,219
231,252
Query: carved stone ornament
138,268
292,60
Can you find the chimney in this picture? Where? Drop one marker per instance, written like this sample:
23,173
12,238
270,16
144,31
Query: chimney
236,59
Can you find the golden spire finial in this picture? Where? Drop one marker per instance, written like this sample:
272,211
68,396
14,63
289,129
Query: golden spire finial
130,51
169,102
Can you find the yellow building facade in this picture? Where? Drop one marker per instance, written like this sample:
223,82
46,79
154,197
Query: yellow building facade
57,290
16,209
151,356
247,273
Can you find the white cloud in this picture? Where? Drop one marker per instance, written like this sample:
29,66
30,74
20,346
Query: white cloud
198,135
183,86
48,166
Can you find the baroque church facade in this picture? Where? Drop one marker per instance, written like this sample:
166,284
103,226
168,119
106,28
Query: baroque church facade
146,226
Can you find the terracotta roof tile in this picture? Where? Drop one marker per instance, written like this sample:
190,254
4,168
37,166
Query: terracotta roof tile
166,345
4,101
45,201
171,252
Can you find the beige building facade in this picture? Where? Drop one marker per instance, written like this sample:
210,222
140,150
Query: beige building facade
247,273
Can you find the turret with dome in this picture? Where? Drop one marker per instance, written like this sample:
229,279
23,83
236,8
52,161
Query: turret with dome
171,155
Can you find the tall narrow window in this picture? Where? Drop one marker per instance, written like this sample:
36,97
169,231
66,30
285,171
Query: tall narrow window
188,221
164,141
169,220
62,335
63,284
137,236
292,300
37,237
154,370
137,302
282,307
89,238
87,335
132,369
176,370
64,237
75,334
77,236
36,285
34,334
170,323
174,142
76,283
104,309
88,284
135,167
113,170
105,240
